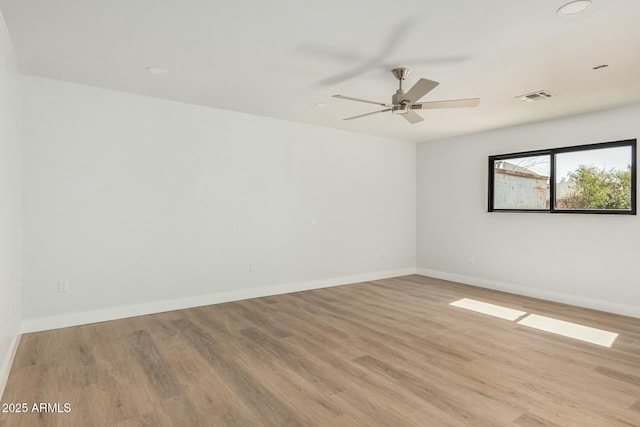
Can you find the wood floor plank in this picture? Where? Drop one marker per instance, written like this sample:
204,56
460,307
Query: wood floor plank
372,409
271,410
158,372
618,375
438,397
289,357
388,352
531,420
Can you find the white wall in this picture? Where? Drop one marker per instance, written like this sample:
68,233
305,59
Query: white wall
588,260
134,200
10,204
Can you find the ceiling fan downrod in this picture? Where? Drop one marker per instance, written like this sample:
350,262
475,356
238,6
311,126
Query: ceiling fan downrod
399,105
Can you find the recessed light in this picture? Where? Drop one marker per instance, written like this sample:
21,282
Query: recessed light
320,105
574,8
600,67
157,70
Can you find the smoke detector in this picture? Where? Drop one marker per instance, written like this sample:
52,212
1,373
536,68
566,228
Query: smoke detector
540,95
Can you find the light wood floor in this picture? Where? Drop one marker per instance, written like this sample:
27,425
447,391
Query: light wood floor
389,353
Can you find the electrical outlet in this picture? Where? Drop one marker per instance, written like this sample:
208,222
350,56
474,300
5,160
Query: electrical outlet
63,285
472,259
252,268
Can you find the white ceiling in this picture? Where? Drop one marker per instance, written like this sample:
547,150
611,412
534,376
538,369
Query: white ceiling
278,58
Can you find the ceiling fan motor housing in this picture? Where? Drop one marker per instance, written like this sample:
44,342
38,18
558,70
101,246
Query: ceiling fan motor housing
397,97
398,104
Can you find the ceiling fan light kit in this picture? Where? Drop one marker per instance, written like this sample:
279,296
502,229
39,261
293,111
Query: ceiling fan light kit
400,109
403,103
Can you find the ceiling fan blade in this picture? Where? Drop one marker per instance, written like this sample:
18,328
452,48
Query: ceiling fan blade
453,59
399,32
412,117
367,114
361,100
420,89
452,103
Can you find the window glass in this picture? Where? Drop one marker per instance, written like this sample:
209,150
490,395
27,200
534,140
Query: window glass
522,183
593,179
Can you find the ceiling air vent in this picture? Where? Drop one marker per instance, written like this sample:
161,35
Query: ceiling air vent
540,95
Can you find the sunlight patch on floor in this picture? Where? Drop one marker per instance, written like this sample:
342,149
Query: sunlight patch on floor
490,309
571,330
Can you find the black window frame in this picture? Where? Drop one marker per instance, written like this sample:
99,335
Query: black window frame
551,152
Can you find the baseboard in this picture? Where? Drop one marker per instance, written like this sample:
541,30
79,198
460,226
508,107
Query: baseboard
114,313
5,369
610,307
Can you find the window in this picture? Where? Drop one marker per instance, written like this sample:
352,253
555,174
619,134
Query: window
595,178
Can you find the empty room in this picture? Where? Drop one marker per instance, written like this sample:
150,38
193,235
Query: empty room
318,213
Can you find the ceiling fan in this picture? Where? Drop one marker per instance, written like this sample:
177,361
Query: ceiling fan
405,103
